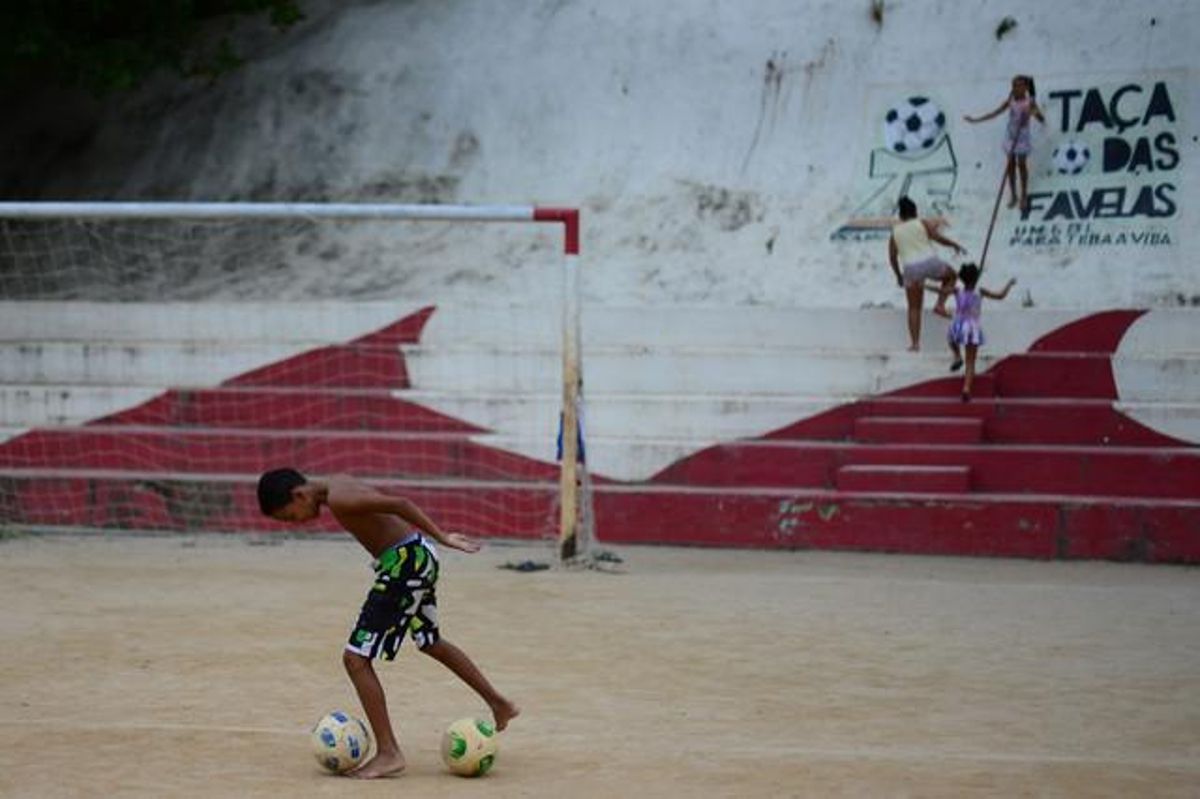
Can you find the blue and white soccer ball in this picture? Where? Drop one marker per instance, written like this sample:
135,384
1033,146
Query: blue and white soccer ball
340,742
913,126
1071,156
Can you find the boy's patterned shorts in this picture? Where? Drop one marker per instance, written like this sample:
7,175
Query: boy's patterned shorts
402,601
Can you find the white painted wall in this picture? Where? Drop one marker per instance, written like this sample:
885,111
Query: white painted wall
714,145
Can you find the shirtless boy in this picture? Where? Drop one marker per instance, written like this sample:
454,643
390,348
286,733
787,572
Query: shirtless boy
401,601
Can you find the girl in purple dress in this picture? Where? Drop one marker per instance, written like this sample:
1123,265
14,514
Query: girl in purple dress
965,332
1021,105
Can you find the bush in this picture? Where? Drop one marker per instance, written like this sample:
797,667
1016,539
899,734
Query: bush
106,45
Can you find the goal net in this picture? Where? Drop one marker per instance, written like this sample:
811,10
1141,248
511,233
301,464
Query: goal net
156,358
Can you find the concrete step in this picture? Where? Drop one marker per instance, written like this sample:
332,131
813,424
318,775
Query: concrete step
511,326
918,430
1005,525
658,371
1110,471
684,327
938,387
670,416
1049,420
167,501
754,371
436,455
885,478
1085,471
33,405
1143,376
292,326
685,417
199,364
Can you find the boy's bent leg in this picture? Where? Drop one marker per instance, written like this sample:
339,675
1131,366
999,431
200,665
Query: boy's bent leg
388,758
458,662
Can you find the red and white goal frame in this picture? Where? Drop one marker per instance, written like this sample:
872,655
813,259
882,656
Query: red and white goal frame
570,473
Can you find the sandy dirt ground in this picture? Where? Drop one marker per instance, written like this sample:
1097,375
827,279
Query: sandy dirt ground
193,667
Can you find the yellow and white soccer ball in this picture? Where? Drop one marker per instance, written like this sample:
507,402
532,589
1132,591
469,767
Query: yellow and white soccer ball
340,741
469,747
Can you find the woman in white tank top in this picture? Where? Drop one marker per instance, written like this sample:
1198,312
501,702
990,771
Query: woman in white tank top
911,247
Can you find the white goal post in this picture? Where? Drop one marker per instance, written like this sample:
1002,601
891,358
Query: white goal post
571,474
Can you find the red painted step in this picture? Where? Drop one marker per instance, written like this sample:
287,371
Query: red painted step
984,385
1089,471
1094,471
1056,374
884,478
1153,531
186,450
1037,420
228,503
280,408
918,430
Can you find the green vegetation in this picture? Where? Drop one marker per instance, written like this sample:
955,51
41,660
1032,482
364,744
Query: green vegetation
105,45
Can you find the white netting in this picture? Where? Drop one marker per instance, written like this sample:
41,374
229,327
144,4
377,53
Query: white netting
150,376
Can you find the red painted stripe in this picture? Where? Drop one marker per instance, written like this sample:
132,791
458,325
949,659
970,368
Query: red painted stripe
909,479
1099,333
1085,471
918,430
371,361
942,525
272,408
171,450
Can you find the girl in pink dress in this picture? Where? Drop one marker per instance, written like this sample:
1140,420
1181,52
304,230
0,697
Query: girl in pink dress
966,332
1021,105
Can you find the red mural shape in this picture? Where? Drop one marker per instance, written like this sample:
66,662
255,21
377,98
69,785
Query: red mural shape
1039,464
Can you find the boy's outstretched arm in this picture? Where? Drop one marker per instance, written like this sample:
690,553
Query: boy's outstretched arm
367,500
999,295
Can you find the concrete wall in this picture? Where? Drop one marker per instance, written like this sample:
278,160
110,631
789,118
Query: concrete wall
723,152
735,166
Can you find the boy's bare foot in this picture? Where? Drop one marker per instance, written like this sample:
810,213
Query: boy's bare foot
940,310
382,765
913,348
503,713
1012,202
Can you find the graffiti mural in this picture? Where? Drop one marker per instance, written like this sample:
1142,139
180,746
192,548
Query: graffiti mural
1111,174
916,159
1106,168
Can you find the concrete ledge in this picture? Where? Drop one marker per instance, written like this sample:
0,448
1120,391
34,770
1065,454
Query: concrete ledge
905,479
1151,531
918,430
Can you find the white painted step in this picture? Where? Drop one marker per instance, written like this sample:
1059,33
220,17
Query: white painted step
307,324
297,324
42,405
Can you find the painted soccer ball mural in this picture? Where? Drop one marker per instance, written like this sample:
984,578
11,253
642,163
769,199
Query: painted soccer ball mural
1070,157
913,126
